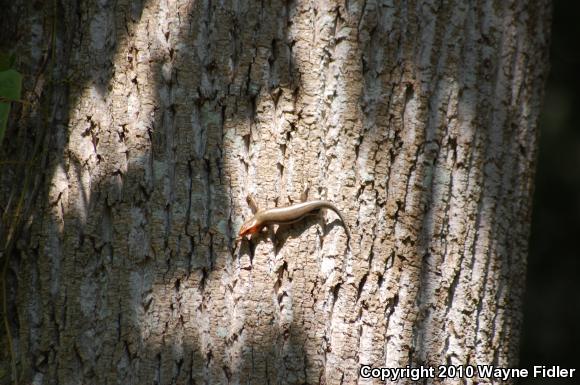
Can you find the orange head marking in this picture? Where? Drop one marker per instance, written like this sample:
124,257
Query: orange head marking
249,227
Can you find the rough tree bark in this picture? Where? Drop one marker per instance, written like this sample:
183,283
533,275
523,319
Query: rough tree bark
153,120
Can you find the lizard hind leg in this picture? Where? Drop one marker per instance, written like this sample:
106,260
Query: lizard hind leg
303,195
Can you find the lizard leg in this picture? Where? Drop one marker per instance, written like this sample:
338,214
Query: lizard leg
304,195
252,203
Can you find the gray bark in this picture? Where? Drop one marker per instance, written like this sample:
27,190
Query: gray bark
153,120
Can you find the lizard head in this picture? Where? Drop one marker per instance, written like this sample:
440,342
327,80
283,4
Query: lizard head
249,227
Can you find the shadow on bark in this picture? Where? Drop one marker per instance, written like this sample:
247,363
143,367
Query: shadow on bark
130,245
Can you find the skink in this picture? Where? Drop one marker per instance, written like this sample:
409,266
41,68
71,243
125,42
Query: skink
285,215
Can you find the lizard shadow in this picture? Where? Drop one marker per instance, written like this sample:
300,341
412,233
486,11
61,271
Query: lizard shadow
280,236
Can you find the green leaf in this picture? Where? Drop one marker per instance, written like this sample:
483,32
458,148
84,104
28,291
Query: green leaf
10,88
10,83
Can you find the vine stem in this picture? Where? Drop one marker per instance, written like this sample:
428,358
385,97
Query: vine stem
17,217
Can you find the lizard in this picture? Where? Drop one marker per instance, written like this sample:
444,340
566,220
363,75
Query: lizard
286,215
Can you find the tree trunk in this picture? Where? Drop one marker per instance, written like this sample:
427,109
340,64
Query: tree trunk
147,125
